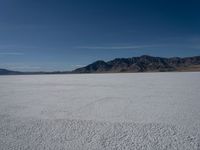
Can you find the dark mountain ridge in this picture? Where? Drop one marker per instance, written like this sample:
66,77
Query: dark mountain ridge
143,63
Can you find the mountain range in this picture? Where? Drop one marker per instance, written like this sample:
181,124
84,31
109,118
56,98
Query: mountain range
143,63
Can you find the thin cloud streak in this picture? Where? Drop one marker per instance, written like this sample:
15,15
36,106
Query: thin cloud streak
11,53
78,65
119,47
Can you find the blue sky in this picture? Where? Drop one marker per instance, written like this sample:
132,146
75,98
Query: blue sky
54,35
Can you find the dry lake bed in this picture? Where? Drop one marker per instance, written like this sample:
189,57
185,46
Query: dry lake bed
100,111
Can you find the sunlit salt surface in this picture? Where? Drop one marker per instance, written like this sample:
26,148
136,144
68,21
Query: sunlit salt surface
100,111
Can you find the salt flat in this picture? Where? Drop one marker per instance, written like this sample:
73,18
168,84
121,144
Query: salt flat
100,111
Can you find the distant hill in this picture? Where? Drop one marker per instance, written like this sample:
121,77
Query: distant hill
143,63
8,72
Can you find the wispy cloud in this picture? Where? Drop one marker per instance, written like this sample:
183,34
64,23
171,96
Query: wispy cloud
194,39
19,66
5,26
78,65
119,47
11,50
11,53
195,47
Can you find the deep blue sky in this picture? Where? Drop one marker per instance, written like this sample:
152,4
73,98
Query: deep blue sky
66,34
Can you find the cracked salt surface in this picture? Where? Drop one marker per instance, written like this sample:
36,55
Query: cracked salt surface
100,111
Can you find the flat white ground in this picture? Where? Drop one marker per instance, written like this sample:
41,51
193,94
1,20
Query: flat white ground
100,111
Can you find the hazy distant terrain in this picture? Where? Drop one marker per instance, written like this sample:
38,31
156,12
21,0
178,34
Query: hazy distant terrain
143,63
100,111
